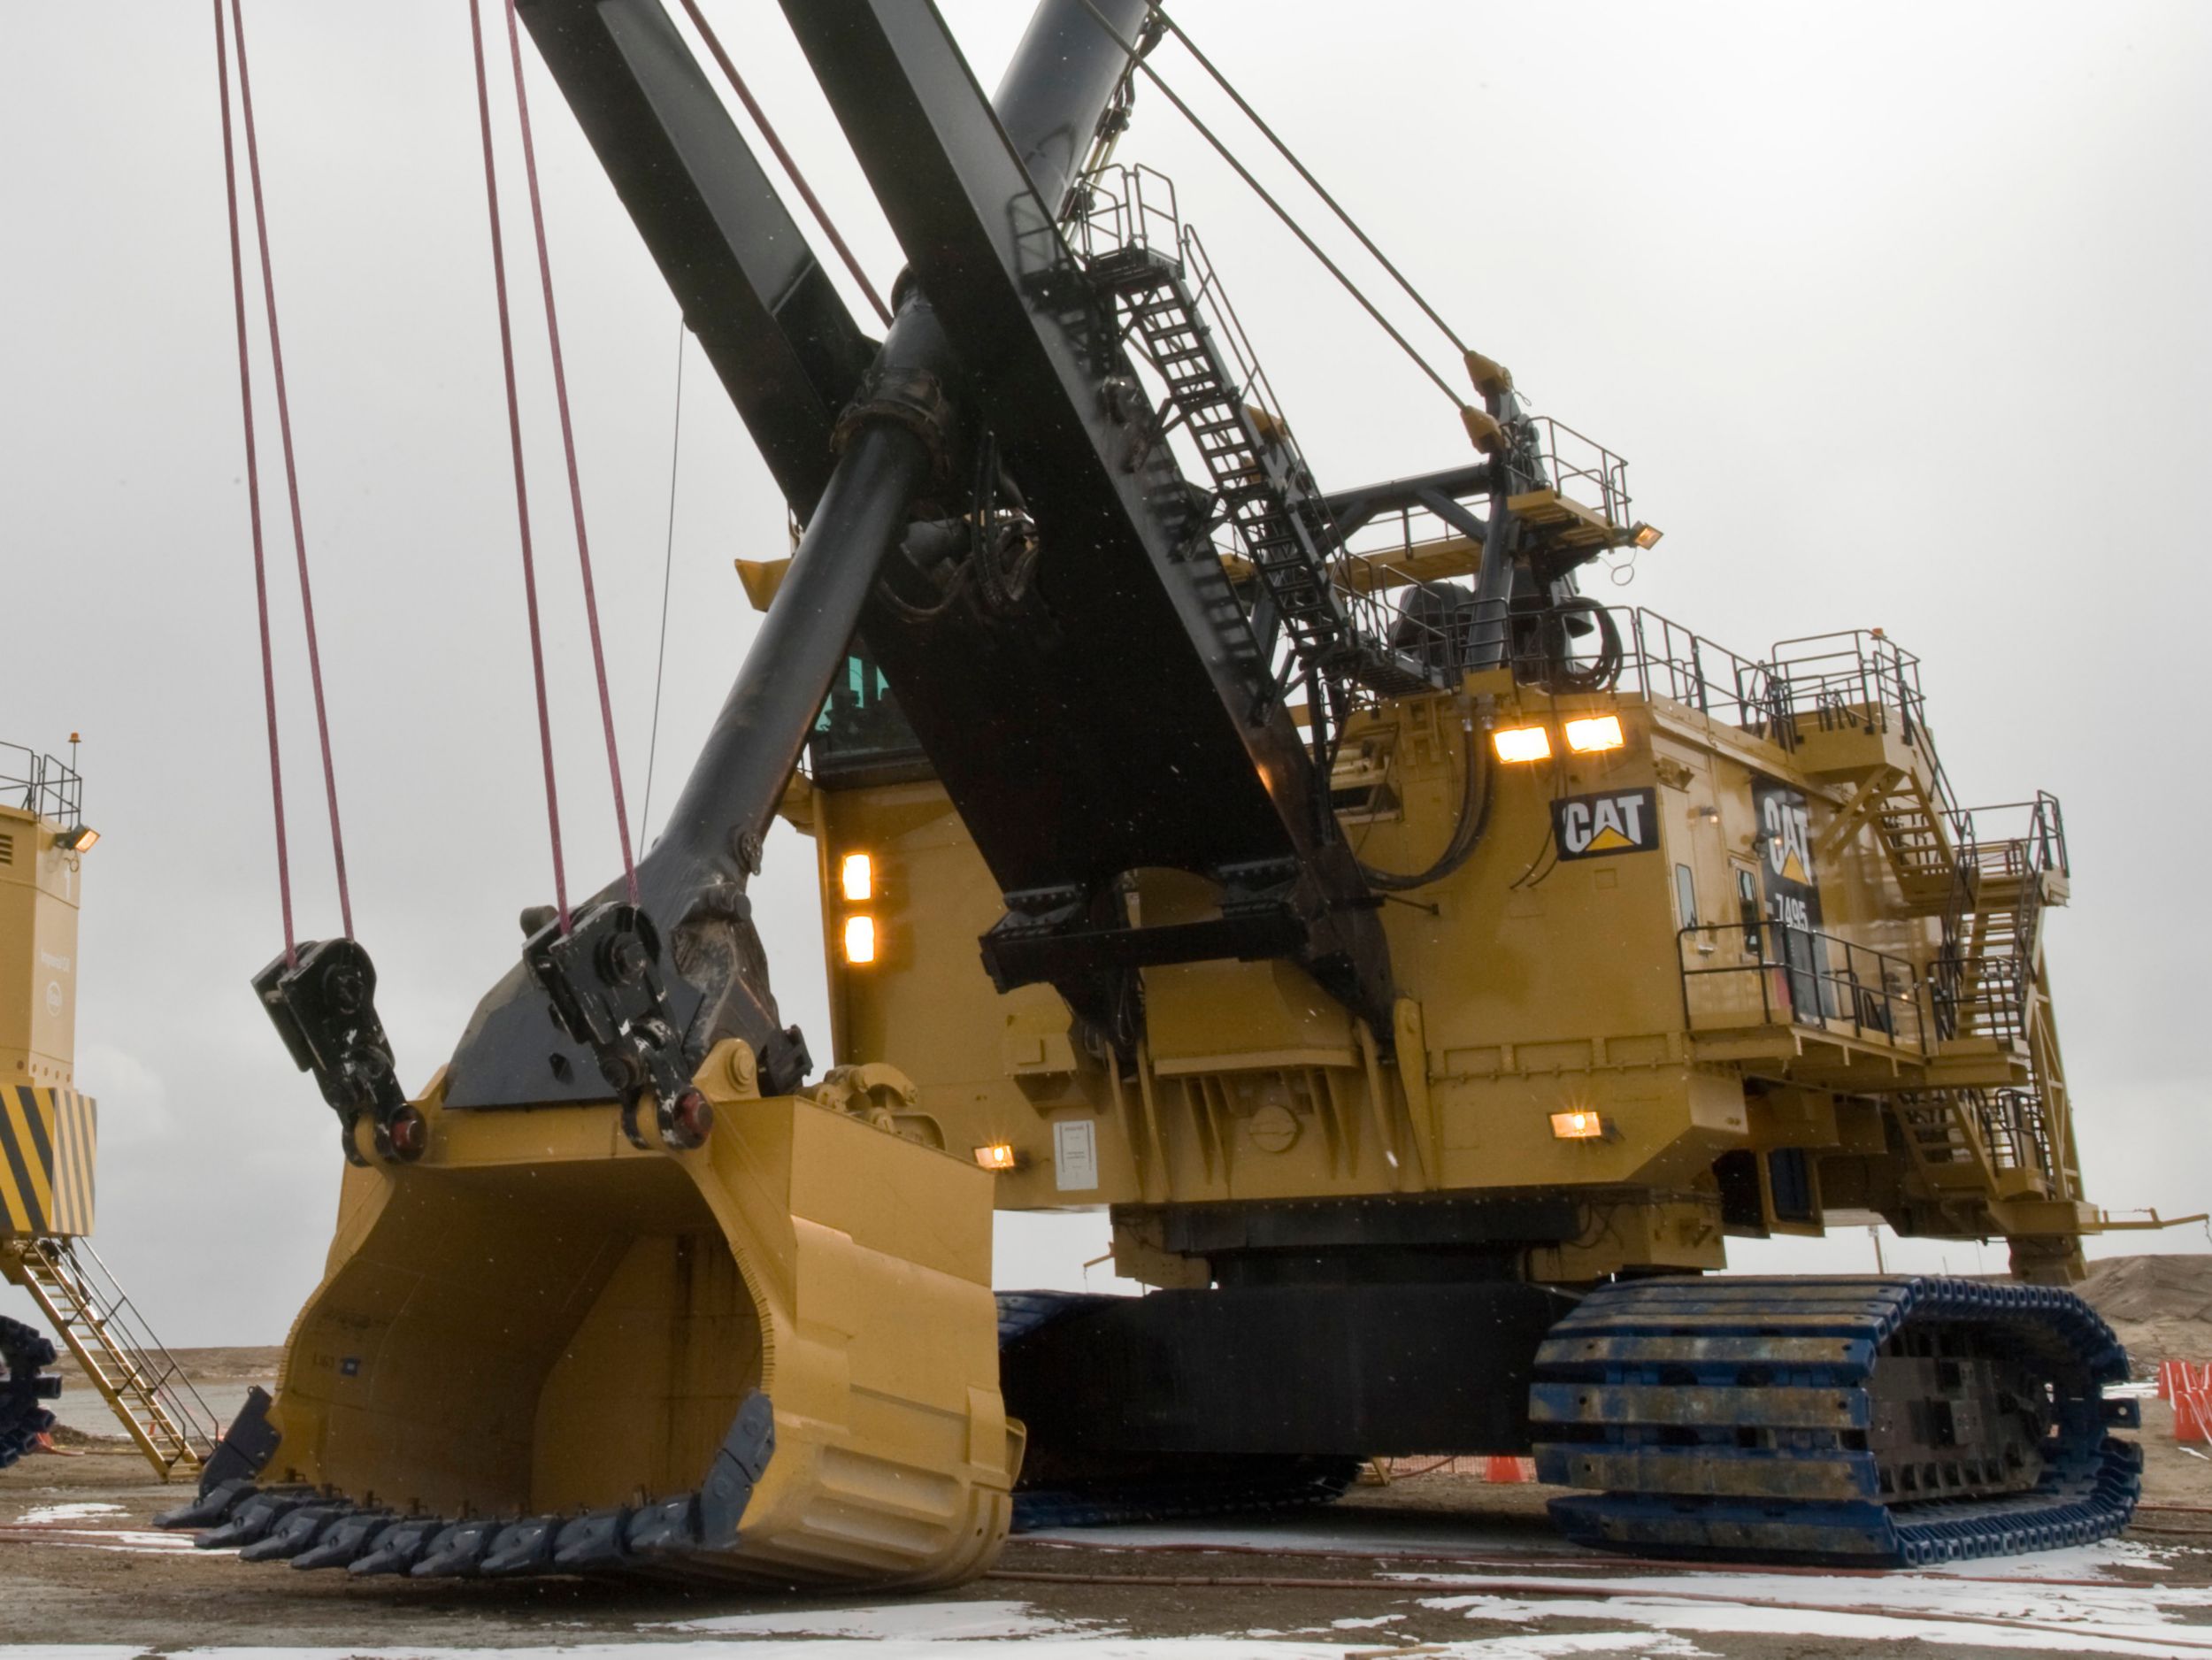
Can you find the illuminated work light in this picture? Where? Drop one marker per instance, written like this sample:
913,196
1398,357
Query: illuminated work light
1594,733
1522,743
857,877
860,938
1578,1126
998,1155
78,838
1646,535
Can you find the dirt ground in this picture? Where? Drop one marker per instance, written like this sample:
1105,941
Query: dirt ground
1437,1563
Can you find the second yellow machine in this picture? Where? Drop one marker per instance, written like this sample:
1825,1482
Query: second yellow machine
1428,967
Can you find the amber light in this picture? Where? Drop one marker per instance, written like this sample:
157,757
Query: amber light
1576,1127
860,938
1521,743
1593,734
997,1155
857,877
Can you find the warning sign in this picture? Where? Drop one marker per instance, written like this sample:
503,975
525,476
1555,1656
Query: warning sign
1619,821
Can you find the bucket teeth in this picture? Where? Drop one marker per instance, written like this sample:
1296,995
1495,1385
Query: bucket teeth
670,1525
345,1540
593,1540
458,1552
295,1533
399,1547
252,1519
525,1547
211,1506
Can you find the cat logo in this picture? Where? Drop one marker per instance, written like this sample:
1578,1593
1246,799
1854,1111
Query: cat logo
1592,827
1788,827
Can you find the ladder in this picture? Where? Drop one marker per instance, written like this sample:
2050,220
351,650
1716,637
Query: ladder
1178,316
141,1381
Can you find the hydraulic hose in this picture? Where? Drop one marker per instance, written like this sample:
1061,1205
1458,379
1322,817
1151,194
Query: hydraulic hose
1475,798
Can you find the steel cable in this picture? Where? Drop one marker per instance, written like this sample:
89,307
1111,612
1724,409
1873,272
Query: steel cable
568,447
783,157
522,492
253,490
1138,61
291,467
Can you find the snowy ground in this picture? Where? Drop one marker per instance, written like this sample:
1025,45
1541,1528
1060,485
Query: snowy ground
1447,1568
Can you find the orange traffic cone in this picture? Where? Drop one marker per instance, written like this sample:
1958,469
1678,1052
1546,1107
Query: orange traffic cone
1509,1470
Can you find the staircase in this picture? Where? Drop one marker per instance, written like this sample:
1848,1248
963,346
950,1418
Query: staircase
1156,271
138,1378
1991,995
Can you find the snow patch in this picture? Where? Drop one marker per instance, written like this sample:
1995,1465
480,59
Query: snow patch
49,1513
917,1622
1794,1607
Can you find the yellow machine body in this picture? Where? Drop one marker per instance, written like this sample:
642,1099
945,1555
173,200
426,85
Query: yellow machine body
538,1318
49,1132
1739,974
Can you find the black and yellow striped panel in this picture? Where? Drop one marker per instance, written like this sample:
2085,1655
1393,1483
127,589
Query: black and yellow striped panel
48,1141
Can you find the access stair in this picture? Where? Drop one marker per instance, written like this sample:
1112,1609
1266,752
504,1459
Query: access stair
1178,314
138,1378
1989,1125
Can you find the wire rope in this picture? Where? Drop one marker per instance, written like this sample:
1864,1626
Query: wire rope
568,447
291,466
253,490
522,491
1313,183
668,567
783,158
1138,61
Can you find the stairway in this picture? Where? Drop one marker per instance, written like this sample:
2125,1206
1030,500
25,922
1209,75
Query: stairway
138,1378
1178,315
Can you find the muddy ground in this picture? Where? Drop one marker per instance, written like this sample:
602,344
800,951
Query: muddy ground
1437,1563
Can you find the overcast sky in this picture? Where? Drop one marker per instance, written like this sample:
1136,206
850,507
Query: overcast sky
1899,310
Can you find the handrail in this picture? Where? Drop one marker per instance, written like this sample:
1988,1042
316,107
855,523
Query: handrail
40,784
1804,977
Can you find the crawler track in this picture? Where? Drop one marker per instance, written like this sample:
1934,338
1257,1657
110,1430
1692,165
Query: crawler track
1176,1489
1892,1421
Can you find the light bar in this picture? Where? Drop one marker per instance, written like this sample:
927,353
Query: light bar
860,940
1593,734
857,877
1521,743
1578,1126
997,1155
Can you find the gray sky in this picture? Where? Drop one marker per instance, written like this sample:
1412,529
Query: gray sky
1898,311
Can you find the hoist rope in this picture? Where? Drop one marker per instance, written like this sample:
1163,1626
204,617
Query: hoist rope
783,158
253,488
1313,183
522,492
1138,62
568,446
290,468
668,567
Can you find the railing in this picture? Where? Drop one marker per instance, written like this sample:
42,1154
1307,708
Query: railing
1130,214
2021,839
40,784
1780,975
1861,677
1127,210
179,1426
1580,467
